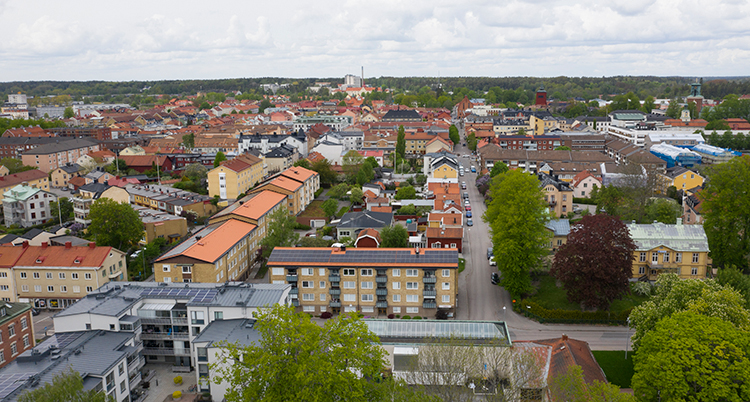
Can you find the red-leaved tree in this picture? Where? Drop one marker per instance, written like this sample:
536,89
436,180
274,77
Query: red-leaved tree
596,262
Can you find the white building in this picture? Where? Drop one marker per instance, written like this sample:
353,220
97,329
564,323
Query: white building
27,206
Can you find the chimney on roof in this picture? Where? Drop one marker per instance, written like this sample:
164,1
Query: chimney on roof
44,244
25,244
564,337
68,244
92,245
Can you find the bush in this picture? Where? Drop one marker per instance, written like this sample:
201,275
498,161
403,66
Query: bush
441,315
406,317
416,317
317,193
587,201
534,310
642,288
326,315
390,316
398,315
300,226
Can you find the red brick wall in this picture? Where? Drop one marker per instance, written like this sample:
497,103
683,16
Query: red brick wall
5,346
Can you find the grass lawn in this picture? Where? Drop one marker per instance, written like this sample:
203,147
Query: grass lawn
618,370
461,265
313,210
551,297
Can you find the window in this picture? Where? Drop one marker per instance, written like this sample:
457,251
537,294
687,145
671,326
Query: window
641,270
308,309
350,285
2,356
412,310
23,275
694,271
50,288
61,275
164,267
322,297
24,288
349,272
11,330
367,298
74,276
121,369
446,285
366,285
87,276
677,257
366,272
695,257
308,284
446,273
89,289
38,288
202,354
64,289
666,257
643,256
308,271
308,297
396,285
396,272
36,275
397,298
122,387
446,298
4,287
397,310
187,270
412,285
411,272
654,257
197,317
412,298
13,349
49,275
218,315
350,298
196,331
76,289
277,271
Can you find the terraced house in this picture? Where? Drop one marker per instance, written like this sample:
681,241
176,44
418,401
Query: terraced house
661,248
371,281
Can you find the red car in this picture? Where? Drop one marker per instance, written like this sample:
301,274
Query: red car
468,207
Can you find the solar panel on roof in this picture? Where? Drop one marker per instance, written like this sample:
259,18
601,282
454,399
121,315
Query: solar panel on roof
11,382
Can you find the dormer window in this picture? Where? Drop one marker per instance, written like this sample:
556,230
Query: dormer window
77,261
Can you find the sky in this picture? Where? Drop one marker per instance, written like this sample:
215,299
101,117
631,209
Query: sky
85,40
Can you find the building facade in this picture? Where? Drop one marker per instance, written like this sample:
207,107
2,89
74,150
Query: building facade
661,248
26,206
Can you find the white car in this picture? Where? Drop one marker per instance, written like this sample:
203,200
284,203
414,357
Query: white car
492,261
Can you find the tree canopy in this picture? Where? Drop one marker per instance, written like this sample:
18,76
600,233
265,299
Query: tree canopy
65,209
498,168
115,224
65,386
726,211
517,215
323,168
596,262
330,206
15,165
453,134
406,193
570,386
296,359
394,236
693,357
220,157
401,142
280,231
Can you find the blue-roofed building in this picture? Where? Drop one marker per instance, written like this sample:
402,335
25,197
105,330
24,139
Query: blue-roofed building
711,154
676,156
559,230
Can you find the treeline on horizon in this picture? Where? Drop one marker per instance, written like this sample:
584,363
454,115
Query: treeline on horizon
560,88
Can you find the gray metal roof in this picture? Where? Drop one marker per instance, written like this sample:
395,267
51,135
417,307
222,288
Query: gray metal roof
239,330
365,219
691,238
560,227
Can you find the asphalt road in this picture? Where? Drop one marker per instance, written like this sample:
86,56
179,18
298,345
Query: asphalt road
480,300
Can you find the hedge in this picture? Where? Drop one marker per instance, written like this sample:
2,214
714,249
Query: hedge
556,316
587,201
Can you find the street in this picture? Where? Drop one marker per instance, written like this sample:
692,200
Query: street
479,299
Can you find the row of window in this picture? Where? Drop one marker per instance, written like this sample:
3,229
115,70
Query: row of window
369,298
666,255
362,272
642,271
60,275
364,309
51,288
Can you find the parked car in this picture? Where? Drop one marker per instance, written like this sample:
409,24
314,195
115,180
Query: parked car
469,222
468,207
468,214
492,261
463,185
461,173
489,252
473,169
465,195
495,278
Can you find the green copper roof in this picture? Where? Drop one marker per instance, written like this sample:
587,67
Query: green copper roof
20,193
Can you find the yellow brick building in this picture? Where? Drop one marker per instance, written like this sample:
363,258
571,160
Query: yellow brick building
297,183
680,177
661,248
235,177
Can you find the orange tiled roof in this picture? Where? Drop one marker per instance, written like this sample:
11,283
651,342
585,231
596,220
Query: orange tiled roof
20,177
382,209
298,173
260,204
286,183
9,255
446,218
61,256
444,233
210,247
568,352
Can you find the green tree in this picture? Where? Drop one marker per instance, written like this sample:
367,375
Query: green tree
195,172
365,174
453,134
188,141
338,191
372,162
330,206
265,104
734,278
15,165
692,357
471,141
672,295
663,210
303,163
351,163
65,386
394,236
570,386
401,142
674,109
406,193
356,195
498,168
114,224
648,104
68,112
323,168
280,232
596,263
297,359
726,211
65,209
117,167
139,266
517,216
220,157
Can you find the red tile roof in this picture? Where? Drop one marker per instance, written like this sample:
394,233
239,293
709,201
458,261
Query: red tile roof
298,173
62,256
20,177
444,233
567,352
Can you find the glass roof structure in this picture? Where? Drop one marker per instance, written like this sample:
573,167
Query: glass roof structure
419,331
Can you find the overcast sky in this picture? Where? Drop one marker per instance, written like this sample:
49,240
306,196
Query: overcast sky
158,39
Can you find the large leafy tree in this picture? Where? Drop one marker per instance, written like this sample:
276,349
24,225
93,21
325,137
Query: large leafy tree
517,215
63,207
692,357
406,193
351,162
453,134
280,232
726,211
672,295
734,278
65,386
323,168
220,157
296,359
596,262
401,142
571,386
498,168
394,236
115,224
330,206
15,165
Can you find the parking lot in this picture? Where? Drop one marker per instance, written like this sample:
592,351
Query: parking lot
42,323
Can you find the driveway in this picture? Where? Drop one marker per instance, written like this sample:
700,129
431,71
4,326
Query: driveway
480,300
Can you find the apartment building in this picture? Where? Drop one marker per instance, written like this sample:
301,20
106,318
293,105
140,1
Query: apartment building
16,331
161,225
661,248
371,281
235,177
62,175
170,200
557,194
297,183
49,157
26,206
33,178
56,276
218,253
679,177
86,196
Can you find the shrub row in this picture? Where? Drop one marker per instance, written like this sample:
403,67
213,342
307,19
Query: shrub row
587,201
533,310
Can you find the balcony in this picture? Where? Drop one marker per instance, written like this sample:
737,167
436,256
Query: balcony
429,279
291,278
429,305
335,304
166,352
176,320
294,291
135,379
381,279
136,364
381,292
552,203
295,302
381,304
163,321
334,279
429,293
166,336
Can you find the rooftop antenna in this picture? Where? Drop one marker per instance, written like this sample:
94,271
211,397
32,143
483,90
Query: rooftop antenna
363,76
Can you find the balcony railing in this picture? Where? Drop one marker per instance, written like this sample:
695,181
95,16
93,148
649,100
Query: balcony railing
381,279
552,203
295,302
294,291
381,304
335,304
429,279
166,351
167,321
177,320
291,278
334,292
429,293
334,278
429,305
136,364
167,336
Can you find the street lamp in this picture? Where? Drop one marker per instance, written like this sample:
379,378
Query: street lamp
627,340
504,314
